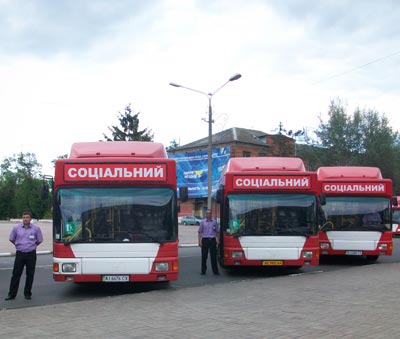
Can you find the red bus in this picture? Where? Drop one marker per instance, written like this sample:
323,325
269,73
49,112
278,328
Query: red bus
396,216
268,208
357,213
115,213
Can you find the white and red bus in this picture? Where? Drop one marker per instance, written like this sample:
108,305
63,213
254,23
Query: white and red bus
268,213
356,216
396,216
115,213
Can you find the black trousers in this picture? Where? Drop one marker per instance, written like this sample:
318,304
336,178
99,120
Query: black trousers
209,245
27,260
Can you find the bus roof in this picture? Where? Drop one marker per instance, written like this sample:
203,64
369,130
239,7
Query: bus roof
136,149
265,164
348,172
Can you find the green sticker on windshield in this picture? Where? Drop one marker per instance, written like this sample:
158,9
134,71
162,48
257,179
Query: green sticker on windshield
235,224
70,228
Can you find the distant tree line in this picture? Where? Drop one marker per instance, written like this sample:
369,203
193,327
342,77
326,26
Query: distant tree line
363,138
20,187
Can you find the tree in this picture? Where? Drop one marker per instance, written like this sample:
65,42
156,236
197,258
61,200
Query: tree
20,184
340,138
22,164
129,130
172,144
8,187
361,139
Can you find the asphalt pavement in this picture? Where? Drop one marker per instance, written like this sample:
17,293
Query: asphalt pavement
353,302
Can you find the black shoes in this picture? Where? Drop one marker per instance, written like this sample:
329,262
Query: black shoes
216,273
203,273
11,297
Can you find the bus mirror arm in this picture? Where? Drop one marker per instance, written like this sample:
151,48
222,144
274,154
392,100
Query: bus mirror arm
183,194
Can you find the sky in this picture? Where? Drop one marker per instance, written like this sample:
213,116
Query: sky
68,67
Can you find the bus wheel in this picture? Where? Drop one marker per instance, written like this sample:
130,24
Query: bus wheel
372,257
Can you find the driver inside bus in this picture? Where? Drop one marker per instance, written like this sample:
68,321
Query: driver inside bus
371,218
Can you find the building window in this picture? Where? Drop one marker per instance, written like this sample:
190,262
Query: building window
246,154
262,154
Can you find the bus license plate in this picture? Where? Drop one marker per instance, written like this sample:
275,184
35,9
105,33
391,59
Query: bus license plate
353,252
272,263
115,278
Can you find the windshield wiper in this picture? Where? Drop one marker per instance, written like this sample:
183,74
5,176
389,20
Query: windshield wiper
252,233
296,233
149,236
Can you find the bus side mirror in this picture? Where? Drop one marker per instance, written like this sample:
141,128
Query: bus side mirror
395,201
183,194
322,199
45,189
44,193
220,195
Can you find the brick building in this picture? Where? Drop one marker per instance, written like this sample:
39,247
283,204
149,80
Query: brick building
241,142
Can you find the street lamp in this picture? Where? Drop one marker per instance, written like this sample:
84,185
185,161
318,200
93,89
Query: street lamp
210,121
291,134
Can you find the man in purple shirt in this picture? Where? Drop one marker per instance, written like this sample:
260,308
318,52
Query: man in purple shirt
208,236
26,237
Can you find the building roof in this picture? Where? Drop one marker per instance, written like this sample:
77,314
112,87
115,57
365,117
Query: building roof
234,134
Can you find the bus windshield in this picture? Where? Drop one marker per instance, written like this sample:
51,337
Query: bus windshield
271,214
111,215
356,214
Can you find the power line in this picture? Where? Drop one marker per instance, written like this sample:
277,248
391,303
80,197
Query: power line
356,68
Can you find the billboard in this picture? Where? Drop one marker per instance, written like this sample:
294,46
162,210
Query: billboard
192,170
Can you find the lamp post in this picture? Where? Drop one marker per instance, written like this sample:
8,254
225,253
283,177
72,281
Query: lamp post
210,121
291,134
296,134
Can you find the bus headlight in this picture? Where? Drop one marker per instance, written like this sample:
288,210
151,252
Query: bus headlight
382,247
162,266
69,267
324,245
237,254
307,254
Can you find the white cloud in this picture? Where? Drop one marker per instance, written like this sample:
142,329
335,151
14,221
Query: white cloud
70,66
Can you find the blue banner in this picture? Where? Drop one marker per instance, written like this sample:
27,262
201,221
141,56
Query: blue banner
192,170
